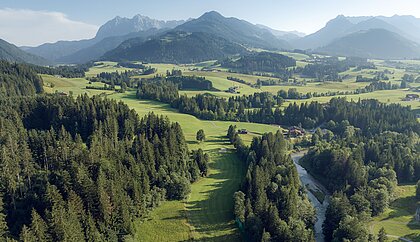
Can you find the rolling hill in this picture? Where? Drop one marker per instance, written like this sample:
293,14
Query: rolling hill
373,43
12,53
176,47
234,30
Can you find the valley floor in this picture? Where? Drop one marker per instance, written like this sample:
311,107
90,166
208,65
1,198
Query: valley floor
207,214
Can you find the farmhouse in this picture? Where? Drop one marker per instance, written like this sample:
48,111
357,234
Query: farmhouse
412,97
295,131
243,131
234,89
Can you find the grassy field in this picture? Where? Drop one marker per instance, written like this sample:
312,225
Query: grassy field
398,220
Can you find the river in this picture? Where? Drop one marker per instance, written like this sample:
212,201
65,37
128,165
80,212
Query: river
312,184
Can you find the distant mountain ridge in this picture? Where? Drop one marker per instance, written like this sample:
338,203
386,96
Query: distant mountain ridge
234,30
122,26
406,26
284,35
97,50
12,53
118,28
365,44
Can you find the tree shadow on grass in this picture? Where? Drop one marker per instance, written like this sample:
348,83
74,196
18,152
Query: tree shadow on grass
225,238
402,207
214,214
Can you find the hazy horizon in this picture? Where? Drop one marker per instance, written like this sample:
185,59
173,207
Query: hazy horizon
55,20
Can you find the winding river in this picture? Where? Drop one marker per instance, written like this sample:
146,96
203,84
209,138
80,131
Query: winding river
313,185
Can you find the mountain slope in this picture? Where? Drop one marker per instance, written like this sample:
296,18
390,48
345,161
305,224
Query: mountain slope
373,43
12,53
176,47
406,26
55,51
333,29
97,50
117,27
234,30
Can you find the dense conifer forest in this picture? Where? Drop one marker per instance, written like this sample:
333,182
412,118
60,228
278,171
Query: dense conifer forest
260,62
18,80
271,205
62,160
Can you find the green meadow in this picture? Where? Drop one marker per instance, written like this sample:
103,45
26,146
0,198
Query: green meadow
398,220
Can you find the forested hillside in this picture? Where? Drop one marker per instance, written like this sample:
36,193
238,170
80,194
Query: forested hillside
10,52
62,163
260,62
176,47
19,80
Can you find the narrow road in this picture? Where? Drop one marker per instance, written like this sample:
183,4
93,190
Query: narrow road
312,184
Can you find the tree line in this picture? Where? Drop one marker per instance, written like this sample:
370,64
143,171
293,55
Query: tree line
67,71
369,115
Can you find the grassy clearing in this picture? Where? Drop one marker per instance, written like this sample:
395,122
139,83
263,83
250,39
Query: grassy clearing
105,66
398,220
75,85
166,223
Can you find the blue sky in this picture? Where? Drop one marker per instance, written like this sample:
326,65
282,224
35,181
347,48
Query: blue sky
302,15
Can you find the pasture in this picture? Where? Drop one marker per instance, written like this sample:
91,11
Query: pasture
398,220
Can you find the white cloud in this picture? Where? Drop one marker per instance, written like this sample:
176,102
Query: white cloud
31,28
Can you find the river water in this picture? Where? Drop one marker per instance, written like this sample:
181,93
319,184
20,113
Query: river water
311,184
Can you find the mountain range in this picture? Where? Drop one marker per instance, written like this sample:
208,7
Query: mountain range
108,37
353,36
234,30
365,44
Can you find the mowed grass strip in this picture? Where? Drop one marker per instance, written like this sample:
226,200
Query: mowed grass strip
209,208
